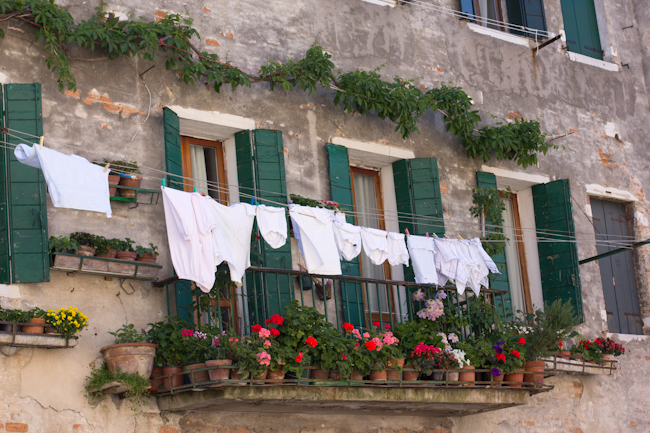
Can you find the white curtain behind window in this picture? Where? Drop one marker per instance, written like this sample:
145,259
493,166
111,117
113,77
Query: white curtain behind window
365,198
512,259
199,171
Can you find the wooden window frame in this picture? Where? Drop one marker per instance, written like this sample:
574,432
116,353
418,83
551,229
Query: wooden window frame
520,249
498,10
373,316
187,164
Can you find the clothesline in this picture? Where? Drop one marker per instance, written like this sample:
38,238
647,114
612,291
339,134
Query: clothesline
376,211
216,186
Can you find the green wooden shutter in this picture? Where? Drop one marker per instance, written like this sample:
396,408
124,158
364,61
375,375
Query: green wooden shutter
184,301
467,6
526,13
25,189
558,261
581,27
5,273
341,192
497,281
260,170
173,154
417,189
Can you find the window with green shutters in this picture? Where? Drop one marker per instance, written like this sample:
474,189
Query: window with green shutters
341,192
497,281
260,171
173,154
526,13
24,251
558,261
581,27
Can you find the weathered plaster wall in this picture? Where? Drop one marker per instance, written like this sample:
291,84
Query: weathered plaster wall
42,390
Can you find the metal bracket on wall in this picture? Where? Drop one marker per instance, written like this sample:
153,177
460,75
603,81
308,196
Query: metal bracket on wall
543,44
612,252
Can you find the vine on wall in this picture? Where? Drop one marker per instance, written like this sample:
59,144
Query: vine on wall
399,100
488,205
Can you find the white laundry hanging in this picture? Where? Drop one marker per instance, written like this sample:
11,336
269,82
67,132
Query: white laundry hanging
375,244
348,239
189,234
73,181
313,229
397,252
421,250
486,257
272,222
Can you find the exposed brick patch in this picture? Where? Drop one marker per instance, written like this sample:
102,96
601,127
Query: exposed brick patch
111,107
160,15
435,69
309,106
88,101
168,430
75,95
577,389
77,428
443,188
211,41
16,427
576,430
421,86
243,430
105,126
573,131
606,159
528,423
227,35
632,424
514,115
647,358
437,430
206,9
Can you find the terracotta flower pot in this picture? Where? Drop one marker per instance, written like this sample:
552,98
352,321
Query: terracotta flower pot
452,376
113,179
335,375
50,330
514,377
197,376
564,354
393,375
134,181
496,380
176,380
356,376
237,376
130,358
85,250
34,329
126,255
146,257
393,364
537,367
219,373
319,374
156,380
467,375
608,357
275,374
378,376
409,374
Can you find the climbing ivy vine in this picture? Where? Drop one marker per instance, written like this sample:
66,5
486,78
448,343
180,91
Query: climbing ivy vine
364,92
488,205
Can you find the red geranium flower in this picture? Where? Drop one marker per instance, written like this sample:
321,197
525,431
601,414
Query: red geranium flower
345,358
275,332
515,353
356,344
299,357
386,325
375,324
370,345
501,357
311,341
559,344
277,319
348,326
256,328
522,340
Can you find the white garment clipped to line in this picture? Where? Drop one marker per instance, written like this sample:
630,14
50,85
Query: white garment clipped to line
314,230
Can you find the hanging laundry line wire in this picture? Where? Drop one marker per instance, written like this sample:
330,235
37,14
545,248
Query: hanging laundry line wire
385,213
216,186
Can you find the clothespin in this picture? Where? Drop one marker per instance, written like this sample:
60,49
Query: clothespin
40,141
446,237
460,237
106,167
252,201
163,183
203,194
427,234
194,189
435,235
407,232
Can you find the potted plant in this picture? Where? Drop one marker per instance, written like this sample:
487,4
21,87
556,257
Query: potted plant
105,248
66,321
130,352
86,243
221,355
63,244
588,350
126,252
610,348
474,355
35,315
18,316
252,360
410,334
131,177
169,354
148,255
543,330
196,347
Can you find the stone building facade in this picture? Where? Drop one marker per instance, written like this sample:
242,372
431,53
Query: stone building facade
598,111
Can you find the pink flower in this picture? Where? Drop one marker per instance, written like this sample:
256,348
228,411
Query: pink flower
356,333
187,333
264,358
390,339
378,343
366,335
267,344
265,333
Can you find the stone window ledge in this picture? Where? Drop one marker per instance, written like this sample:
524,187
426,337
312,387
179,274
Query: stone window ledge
498,34
390,3
581,58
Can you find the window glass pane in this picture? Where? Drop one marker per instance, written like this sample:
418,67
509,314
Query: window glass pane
204,162
365,199
512,258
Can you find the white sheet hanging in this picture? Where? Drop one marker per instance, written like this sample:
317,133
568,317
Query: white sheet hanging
486,258
73,181
189,236
397,252
313,229
348,239
272,222
421,250
375,244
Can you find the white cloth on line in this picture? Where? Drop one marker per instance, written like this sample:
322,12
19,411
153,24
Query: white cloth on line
446,260
375,244
348,239
421,250
479,271
73,181
397,252
486,257
314,231
462,276
272,222
190,239
232,237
